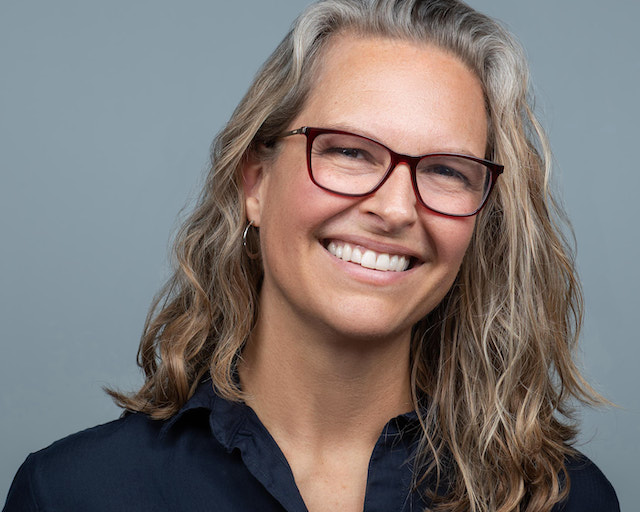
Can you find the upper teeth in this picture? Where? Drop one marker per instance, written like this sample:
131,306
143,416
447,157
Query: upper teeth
368,258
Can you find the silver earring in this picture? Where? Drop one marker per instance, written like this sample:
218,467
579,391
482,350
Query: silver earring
253,255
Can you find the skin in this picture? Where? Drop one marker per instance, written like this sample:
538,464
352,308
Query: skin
328,362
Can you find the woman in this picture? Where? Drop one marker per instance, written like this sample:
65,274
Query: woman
367,312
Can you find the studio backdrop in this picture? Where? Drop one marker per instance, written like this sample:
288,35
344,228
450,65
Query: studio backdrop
107,110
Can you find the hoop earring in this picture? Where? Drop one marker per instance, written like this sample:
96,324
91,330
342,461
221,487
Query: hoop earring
253,255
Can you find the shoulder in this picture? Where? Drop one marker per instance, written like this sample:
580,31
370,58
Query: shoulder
87,459
111,442
589,488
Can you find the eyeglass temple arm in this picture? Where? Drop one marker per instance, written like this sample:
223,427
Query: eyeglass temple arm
302,130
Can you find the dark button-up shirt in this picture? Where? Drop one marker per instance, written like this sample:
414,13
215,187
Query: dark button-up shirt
216,455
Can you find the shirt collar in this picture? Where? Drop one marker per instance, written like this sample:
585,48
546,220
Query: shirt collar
203,398
228,417
225,419
237,428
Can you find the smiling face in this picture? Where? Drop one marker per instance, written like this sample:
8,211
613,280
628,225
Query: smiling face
371,267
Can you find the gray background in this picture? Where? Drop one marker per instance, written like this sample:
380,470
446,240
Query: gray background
107,110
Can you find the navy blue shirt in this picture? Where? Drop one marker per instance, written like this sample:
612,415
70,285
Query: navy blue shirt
216,455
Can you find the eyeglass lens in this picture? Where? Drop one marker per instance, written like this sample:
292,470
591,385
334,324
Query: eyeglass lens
353,165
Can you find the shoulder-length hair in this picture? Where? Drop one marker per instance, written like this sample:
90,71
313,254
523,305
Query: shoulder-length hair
494,358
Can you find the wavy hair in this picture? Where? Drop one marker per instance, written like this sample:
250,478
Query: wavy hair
495,358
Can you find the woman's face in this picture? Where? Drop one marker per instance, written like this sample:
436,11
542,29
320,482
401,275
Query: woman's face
415,100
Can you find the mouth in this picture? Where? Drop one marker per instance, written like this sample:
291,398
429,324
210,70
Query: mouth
367,258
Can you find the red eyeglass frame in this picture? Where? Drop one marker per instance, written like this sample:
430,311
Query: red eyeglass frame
396,158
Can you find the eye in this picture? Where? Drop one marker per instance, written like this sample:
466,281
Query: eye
347,152
350,152
348,155
445,171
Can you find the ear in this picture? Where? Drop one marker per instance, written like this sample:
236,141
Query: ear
253,184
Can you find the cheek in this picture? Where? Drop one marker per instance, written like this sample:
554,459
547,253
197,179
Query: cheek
293,209
451,237
289,206
287,187
294,206
449,240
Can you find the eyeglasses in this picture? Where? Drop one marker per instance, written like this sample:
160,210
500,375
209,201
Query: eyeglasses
355,166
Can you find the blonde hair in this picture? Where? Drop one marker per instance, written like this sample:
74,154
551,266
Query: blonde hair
495,358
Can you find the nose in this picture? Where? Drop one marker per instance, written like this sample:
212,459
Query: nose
395,202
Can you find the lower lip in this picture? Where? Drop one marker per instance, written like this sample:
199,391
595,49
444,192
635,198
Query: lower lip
368,275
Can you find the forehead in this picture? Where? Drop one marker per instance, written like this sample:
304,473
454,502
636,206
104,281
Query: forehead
398,90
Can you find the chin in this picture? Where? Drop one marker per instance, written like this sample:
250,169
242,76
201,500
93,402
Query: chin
367,329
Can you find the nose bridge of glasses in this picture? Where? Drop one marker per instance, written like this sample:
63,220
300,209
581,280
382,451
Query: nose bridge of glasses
399,160
395,199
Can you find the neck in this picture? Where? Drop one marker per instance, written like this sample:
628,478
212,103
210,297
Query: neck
314,387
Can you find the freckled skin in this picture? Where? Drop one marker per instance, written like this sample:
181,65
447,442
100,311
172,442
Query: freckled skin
415,99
